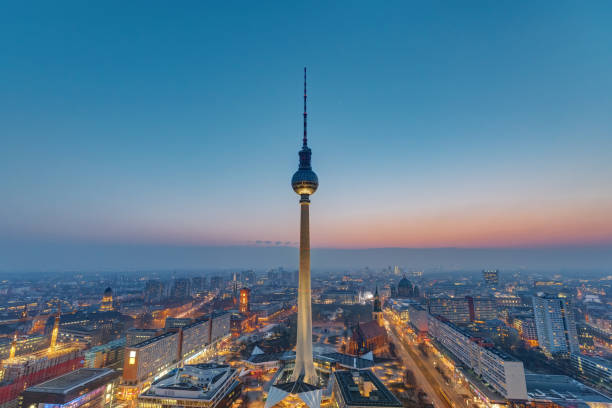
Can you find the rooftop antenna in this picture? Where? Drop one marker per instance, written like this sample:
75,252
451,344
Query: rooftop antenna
305,140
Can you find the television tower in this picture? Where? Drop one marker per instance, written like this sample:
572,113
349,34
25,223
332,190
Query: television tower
304,183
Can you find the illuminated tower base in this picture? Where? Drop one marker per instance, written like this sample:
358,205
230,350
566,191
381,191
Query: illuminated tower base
303,357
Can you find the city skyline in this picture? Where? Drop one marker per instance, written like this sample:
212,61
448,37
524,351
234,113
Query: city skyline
495,138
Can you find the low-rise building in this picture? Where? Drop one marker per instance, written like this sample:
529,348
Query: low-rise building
86,387
199,385
357,389
562,391
596,370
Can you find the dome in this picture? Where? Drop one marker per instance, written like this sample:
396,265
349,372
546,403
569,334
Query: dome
305,181
404,283
108,291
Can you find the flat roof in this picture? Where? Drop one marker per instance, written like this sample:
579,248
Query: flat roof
561,388
379,395
194,381
153,340
73,380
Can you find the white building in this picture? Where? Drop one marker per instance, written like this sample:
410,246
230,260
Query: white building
503,373
555,325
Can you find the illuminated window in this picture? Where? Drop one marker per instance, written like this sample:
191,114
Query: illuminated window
132,357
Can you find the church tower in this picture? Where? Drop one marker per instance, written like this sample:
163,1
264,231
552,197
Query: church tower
377,314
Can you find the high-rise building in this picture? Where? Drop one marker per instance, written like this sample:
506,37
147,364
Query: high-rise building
216,282
555,325
481,308
491,277
154,291
107,300
181,288
454,309
198,284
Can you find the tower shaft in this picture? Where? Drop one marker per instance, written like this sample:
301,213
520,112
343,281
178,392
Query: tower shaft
303,356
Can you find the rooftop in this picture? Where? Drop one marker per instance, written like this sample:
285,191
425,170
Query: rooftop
363,388
74,380
561,388
153,340
198,381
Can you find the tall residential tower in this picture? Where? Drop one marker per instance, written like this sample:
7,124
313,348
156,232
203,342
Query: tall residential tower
305,183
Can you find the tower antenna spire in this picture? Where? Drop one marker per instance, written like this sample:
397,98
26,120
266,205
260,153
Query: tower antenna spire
305,140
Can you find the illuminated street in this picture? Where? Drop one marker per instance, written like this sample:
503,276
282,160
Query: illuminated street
423,367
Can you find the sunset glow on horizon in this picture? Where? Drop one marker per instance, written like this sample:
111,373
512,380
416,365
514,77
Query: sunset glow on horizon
429,126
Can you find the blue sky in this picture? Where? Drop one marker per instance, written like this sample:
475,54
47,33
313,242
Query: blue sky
432,124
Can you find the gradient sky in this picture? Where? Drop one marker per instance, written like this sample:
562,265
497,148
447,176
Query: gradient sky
432,124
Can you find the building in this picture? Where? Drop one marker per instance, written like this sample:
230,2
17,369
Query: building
491,277
419,319
358,389
454,309
595,370
79,334
405,288
216,282
106,355
367,337
526,328
154,291
220,326
562,391
555,325
176,322
481,309
245,296
195,336
107,301
181,288
135,336
22,345
85,387
145,361
503,373
32,369
198,284
199,385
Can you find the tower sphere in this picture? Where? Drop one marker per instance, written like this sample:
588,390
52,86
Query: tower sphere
305,181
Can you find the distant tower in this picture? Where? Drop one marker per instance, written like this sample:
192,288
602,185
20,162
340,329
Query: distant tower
377,309
13,347
235,290
107,301
245,294
305,183
491,277
55,330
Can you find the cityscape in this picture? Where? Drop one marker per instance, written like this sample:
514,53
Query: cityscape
171,268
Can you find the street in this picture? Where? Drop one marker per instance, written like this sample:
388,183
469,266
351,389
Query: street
428,379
